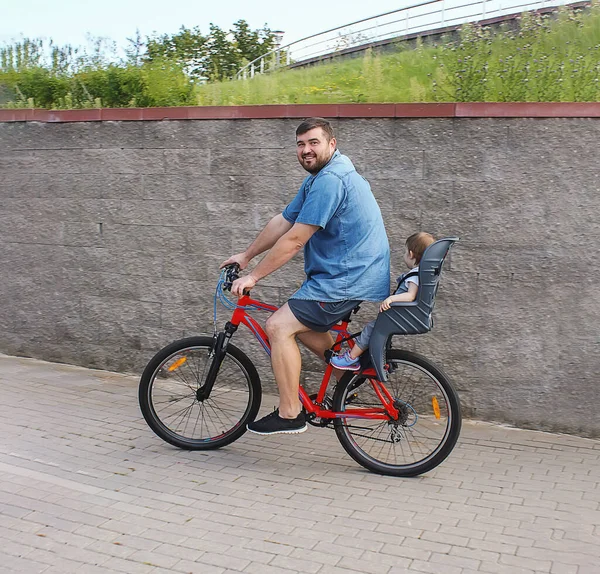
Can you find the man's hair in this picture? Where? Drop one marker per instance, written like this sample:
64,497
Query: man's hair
311,123
418,242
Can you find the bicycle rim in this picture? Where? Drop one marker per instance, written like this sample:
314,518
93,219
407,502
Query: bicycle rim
170,403
425,431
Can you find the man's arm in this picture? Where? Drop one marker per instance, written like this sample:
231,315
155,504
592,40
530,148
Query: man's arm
273,231
281,252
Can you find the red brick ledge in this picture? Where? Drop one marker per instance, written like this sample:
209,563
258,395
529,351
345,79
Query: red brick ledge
416,110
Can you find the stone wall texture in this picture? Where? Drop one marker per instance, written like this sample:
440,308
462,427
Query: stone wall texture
111,234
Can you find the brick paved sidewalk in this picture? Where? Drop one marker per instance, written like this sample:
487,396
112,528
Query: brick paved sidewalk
86,487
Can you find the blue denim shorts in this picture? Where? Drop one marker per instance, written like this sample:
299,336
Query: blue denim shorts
319,316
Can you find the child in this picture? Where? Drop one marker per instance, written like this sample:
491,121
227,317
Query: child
408,286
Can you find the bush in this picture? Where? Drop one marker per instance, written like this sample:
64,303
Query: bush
152,84
547,59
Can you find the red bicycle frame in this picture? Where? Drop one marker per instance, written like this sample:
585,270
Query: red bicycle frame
389,411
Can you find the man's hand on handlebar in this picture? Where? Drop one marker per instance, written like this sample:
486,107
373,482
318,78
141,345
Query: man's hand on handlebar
243,284
239,258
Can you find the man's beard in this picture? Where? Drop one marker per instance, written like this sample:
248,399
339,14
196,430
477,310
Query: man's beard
319,164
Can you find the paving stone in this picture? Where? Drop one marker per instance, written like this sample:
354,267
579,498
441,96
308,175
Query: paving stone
432,568
15,564
266,569
336,570
86,487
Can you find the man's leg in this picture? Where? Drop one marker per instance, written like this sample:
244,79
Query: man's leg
282,328
318,343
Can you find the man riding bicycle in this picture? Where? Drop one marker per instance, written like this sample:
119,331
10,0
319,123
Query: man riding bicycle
335,218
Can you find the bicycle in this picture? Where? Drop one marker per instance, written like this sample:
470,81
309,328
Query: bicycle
398,417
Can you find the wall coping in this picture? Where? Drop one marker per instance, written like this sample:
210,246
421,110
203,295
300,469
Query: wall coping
279,111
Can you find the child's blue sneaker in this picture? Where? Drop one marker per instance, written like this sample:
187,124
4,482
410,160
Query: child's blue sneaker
345,362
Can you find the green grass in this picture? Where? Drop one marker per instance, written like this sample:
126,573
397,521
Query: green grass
547,59
397,77
550,58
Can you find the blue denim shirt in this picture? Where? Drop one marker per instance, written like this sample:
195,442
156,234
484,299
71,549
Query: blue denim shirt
349,257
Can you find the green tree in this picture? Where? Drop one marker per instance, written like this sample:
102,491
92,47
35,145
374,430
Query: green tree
222,58
22,55
215,56
160,71
188,48
251,44
135,49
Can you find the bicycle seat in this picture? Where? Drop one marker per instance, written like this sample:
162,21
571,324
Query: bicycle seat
414,317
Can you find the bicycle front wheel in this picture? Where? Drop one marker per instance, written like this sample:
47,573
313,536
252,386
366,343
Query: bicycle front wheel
173,404
427,426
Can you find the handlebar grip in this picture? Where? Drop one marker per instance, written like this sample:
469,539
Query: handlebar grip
232,272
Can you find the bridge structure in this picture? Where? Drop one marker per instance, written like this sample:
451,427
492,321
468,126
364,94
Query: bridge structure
424,18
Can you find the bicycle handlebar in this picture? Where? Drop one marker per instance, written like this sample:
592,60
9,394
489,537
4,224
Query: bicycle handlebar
232,272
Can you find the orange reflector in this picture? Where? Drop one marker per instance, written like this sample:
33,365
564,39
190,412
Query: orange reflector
177,363
436,407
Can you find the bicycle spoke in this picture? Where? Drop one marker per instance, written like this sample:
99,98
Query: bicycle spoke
175,400
179,374
180,415
421,428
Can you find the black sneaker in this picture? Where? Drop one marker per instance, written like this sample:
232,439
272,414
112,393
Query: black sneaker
274,424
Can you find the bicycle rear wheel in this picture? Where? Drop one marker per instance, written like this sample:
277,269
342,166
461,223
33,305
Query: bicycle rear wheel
172,403
427,427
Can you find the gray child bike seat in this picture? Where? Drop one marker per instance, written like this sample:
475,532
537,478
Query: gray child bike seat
414,317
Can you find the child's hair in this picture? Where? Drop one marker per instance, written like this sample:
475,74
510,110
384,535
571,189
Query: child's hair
417,243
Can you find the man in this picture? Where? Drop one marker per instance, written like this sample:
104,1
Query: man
336,220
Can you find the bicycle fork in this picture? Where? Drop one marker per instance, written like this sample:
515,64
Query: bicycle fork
219,350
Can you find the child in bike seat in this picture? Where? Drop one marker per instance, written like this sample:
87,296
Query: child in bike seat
408,286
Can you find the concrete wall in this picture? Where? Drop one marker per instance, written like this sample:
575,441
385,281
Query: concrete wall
111,234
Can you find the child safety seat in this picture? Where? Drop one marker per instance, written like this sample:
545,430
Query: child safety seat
414,317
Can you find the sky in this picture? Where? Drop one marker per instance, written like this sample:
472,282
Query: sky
68,21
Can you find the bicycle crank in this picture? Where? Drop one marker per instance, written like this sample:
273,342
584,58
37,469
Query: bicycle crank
316,421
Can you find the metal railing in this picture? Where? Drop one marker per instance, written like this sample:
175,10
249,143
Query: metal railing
417,18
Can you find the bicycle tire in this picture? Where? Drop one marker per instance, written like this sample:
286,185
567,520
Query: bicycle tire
426,430
168,395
